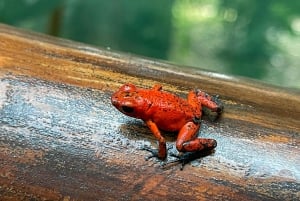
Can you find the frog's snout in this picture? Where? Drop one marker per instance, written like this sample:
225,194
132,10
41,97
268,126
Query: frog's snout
114,101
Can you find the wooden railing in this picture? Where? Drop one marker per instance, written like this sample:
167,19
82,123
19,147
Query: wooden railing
61,139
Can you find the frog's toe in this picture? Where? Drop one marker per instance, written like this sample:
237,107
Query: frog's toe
154,152
185,158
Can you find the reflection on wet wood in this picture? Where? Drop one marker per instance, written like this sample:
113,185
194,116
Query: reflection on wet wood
62,140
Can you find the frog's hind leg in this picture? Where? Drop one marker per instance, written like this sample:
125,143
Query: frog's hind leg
211,102
188,142
191,146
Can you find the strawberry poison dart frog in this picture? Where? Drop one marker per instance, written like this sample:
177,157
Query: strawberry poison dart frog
162,110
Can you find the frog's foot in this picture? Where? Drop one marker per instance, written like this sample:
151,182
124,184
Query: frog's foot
185,158
154,152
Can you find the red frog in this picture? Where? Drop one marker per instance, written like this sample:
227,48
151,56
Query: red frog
168,112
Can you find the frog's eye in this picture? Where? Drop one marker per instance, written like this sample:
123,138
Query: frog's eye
128,87
127,109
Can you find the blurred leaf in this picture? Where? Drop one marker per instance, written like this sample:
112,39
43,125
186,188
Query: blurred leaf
33,14
141,27
259,39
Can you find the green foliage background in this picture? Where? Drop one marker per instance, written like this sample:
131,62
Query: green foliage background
258,39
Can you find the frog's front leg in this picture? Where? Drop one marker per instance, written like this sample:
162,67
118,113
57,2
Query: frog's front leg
161,153
188,142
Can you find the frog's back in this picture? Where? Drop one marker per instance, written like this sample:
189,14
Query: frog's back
167,110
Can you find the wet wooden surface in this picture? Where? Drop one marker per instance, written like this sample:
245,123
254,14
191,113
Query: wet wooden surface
60,138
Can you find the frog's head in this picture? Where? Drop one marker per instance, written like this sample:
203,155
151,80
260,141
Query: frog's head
129,101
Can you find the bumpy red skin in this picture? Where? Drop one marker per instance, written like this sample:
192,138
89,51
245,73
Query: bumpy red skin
168,112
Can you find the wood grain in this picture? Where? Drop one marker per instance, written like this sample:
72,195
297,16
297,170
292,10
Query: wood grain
62,140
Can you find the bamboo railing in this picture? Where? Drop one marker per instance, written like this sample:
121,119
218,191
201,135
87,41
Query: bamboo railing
61,139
